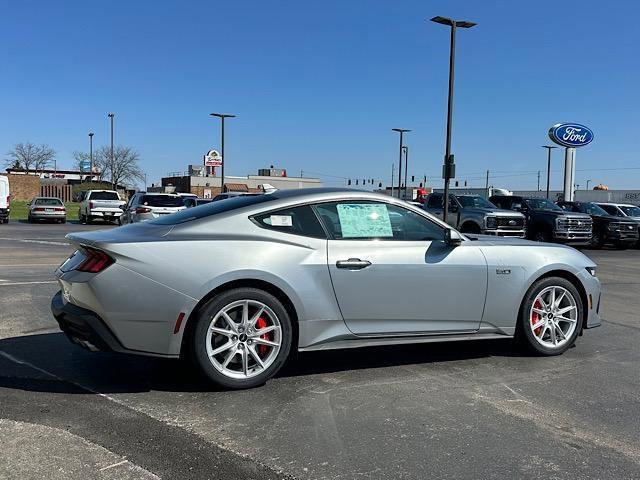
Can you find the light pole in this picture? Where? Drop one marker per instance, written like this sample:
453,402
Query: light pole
111,115
406,168
91,156
222,116
401,131
548,147
588,183
449,168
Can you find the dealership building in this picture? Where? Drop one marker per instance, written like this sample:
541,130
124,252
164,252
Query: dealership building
198,181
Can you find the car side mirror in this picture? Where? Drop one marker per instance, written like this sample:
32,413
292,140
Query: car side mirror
452,237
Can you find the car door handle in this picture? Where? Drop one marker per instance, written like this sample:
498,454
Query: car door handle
353,264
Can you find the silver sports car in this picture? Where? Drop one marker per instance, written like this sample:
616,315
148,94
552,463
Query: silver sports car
238,284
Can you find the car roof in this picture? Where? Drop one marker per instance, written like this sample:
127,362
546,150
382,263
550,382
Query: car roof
613,204
161,194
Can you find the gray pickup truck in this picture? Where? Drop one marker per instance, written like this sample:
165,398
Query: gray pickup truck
474,214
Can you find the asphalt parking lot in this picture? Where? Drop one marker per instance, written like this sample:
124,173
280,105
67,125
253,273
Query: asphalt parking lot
456,410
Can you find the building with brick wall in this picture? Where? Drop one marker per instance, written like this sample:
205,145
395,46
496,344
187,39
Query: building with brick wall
23,187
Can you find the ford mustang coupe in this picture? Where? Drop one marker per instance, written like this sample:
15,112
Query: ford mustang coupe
237,284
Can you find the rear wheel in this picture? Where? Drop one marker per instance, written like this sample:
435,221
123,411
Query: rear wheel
551,316
470,227
242,338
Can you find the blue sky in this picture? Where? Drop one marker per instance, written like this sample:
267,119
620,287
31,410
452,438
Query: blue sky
318,86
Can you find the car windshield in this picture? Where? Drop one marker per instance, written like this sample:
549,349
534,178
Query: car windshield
631,211
474,202
104,196
592,209
542,204
162,201
49,202
213,208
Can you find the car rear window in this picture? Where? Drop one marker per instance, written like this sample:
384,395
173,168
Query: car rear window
213,208
104,196
51,202
162,201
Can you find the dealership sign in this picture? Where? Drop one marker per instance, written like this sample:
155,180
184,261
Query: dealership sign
571,135
213,159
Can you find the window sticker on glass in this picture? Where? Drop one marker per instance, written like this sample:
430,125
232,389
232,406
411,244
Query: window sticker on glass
364,220
280,221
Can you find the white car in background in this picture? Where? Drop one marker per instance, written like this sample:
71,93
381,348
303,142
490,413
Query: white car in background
103,204
147,206
5,199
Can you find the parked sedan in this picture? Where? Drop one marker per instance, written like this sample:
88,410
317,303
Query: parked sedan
148,206
236,285
46,208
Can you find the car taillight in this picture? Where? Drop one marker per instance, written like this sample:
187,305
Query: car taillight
38,209
90,205
143,209
59,209
95,261
8,201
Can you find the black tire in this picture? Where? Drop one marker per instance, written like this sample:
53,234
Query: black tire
5,220
211,308
524,335
29,219
470,227
88,220
597,240
542,236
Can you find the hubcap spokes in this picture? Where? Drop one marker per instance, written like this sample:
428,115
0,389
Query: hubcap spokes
243,339
553,317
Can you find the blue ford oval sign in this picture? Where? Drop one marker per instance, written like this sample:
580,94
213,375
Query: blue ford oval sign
571,135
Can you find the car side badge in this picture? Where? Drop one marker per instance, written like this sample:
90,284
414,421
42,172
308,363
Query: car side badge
503,271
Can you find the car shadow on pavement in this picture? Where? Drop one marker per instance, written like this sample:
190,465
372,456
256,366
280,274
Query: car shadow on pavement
61,367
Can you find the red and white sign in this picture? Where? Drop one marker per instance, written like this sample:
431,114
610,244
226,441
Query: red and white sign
213,159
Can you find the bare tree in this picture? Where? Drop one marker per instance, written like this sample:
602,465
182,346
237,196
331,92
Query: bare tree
30,156
122,168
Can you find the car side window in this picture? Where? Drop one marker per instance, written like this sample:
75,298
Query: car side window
365,220
610,209
300,220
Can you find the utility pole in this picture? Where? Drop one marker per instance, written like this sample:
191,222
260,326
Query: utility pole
538,180
401,131
406,168
393,171
91,156
449,167
588,181
486,185
548,147
110,115
222,116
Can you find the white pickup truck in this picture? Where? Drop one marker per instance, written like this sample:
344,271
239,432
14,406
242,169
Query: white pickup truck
103,204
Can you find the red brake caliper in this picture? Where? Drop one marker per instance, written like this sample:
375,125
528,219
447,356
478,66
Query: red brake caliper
536,316
260,324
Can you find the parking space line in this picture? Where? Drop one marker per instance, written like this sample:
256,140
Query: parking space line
43,242
12,284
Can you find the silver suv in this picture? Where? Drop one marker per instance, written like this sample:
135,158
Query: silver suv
475,214
147,206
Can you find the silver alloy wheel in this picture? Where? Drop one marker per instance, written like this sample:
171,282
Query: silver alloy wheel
553,317
243,339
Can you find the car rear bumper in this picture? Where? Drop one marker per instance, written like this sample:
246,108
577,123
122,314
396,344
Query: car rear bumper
4,213
47,216
83,327
105,213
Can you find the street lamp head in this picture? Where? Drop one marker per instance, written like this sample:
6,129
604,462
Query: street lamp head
451,22
222,115
401,130
110,115
91,134
549,146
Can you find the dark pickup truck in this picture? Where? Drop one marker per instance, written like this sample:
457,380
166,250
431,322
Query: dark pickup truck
607,229
547,222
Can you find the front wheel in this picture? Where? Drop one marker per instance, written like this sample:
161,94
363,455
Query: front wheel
551,316
597,240
242,338
542,236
